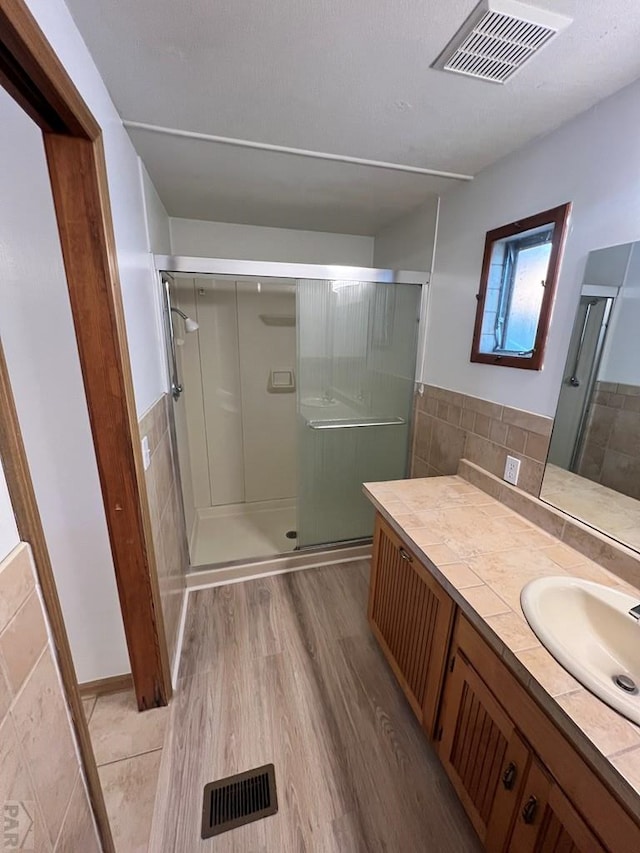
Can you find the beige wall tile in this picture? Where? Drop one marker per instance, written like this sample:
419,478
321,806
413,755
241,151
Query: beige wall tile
78,832
484,407
516,439
16,785
129,788
527,420
22,641
530,478
420,468
490,456
41,721
422,441
161,459
498,432
5,693
467,419
616,558
16,582
537,446
447,446
482,425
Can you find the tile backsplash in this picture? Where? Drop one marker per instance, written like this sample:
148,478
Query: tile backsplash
610,452
167,515
449,426
41,780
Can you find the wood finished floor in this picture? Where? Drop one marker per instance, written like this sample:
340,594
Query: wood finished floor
285,670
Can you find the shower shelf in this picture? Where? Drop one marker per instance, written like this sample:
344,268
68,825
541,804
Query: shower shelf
278,319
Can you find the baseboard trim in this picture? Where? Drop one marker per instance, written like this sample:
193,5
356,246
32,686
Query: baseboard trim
175,668
104,686
206,578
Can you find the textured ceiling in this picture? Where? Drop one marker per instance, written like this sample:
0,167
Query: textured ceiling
343,77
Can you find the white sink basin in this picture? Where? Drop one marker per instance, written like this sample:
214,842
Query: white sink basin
588,629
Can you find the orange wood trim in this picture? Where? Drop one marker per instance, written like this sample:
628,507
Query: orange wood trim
34,76
24,503
78,182
106,686
559,216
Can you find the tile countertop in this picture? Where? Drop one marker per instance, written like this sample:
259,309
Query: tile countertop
483,553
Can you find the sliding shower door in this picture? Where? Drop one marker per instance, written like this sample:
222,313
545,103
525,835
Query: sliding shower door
357,344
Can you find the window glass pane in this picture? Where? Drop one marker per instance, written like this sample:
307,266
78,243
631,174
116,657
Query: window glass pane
527,290
515,291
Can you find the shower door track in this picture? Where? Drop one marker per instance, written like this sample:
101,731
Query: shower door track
214,574
275,269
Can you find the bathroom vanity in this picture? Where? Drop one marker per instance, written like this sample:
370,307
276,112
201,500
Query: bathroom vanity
538,762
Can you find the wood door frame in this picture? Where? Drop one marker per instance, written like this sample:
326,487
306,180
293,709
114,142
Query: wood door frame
32,73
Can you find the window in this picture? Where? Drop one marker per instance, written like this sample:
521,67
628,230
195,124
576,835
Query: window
519,273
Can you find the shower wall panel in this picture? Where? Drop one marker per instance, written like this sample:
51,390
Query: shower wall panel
236,436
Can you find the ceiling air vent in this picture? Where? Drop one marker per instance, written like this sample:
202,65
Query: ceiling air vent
498,38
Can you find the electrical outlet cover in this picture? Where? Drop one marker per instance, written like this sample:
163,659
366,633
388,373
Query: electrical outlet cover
512,470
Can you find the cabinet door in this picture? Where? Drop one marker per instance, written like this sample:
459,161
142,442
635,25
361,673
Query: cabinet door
481,751
546,821
411,617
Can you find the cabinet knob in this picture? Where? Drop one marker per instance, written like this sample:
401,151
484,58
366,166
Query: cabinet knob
529,810
509,776
406,556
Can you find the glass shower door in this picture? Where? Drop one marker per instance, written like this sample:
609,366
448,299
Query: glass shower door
357,345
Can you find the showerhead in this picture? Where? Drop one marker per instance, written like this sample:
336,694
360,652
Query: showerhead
189,324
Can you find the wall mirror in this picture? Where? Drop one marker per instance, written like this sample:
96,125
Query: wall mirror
593,468
519,273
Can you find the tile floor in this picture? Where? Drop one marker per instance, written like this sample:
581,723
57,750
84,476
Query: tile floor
128,748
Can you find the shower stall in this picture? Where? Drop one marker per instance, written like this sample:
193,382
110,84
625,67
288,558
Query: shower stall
292,385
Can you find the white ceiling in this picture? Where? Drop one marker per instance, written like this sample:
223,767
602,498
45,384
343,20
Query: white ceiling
342,77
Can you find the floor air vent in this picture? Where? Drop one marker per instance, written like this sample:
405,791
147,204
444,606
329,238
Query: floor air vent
498,38
236,800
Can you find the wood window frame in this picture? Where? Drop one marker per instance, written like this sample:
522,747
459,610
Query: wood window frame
558,217
33,75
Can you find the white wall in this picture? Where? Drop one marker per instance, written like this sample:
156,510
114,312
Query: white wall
158,230
592,161
407,243
197,238
42,356
138,286
35,322
8,531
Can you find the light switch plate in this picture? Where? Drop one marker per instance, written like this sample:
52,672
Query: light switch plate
146,452
512,470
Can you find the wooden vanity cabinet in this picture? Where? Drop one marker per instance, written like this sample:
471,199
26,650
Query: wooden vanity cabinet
523,783
546,821
411,616
555,802
482,752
